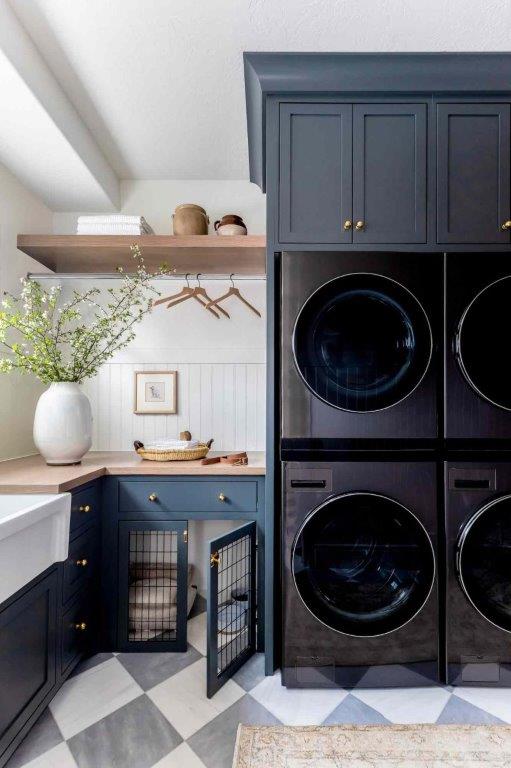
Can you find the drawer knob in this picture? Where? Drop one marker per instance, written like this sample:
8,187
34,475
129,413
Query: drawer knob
85,508
222,496
359,225
506,225
348,224
81,626
82,562
153,497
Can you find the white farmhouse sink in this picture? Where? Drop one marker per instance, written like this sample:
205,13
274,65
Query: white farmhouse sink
34,534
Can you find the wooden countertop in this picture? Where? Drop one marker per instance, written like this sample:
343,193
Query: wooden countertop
33,475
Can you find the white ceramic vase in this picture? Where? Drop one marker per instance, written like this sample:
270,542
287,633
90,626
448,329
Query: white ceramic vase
63,424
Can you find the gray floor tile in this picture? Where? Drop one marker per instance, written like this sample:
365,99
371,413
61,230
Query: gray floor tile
214,743
92,661
355,712
134,736
43,735
149,669
251,673
458,711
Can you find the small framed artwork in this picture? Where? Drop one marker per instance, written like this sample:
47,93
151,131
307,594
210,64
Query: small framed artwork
155,392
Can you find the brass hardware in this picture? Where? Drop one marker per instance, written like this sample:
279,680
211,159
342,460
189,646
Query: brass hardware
359,225
84,508
348,224
153,497
83,562
506,225
185,537
222,497
214,559
81,626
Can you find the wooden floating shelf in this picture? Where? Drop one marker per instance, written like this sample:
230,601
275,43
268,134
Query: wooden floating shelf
97,254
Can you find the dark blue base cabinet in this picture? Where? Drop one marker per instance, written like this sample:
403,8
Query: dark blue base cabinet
49,625
82,606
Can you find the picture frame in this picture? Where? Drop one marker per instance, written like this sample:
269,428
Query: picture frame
155,392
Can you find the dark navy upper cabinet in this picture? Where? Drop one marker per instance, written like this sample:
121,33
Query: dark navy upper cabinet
315,173
473,173
352,173
389,173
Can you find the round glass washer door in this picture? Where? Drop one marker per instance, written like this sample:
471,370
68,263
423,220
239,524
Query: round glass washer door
483,562
362,342
480,343
363,564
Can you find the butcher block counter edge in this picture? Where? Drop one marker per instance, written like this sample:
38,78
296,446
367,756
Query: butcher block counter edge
32,475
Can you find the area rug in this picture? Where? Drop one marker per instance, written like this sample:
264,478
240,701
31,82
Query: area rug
373,746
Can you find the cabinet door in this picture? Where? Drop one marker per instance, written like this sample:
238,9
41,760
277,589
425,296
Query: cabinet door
27,655
231,604
155,593
389,173
473,173
315,173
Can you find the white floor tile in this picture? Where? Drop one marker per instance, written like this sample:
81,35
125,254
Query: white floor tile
294,706
86,698
496,701
406,705
181,757
58,757
182,699
197,633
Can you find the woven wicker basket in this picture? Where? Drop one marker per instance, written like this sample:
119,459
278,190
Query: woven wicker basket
200,452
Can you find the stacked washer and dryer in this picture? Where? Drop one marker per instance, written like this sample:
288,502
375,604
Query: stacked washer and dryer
395,420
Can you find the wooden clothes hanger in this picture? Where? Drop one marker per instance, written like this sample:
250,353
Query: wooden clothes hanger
187,292
233,291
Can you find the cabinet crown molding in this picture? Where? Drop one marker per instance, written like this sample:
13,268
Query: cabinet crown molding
325,74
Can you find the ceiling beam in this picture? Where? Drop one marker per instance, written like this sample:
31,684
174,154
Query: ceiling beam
43,141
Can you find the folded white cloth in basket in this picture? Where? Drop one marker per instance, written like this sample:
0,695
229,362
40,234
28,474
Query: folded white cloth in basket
171,445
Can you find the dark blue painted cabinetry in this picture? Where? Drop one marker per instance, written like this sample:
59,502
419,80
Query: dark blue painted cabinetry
352,173
473,173
49,625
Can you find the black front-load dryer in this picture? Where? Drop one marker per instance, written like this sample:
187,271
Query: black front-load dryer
358,340
359,574
478,601
478,361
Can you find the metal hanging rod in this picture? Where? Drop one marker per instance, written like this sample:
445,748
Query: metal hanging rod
118,275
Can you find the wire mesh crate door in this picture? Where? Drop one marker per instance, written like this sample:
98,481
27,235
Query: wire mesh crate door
231,604
153,581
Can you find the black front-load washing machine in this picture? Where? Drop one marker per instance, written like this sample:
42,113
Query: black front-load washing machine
360,603
359,337
478,601
478,329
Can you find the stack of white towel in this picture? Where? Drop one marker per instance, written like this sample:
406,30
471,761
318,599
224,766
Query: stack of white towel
115,224
168,444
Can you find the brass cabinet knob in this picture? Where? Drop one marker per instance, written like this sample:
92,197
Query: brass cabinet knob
81,626
85,508
222,497
214,559
153,497
360,225
506,225
348,224
82,562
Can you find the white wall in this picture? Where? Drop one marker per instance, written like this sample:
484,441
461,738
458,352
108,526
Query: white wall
20,212
220,363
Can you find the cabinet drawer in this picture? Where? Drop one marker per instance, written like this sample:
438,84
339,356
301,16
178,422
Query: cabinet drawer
77,630
81,564
84,508
188,496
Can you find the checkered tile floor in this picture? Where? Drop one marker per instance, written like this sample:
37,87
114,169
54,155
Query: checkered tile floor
137,710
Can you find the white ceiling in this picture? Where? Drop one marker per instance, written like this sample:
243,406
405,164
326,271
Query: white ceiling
159,83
